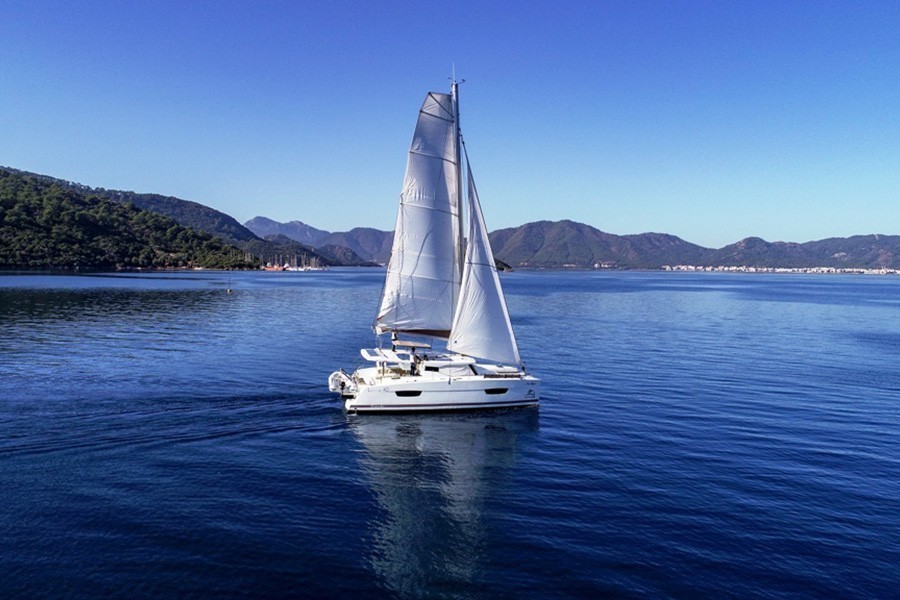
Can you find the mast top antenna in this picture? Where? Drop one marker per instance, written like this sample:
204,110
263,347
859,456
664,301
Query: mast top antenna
453,79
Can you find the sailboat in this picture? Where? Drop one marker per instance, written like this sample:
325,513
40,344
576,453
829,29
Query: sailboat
441,288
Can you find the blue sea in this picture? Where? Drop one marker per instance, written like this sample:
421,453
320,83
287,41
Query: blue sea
701,435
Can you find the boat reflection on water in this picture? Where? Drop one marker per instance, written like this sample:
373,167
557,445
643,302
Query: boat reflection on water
432,476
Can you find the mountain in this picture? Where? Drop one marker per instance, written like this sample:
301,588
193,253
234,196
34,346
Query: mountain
370,244
342,255
543,244
367,244
295,230
45,225
861,252
553,245
568,244
872,251
186,212
202,218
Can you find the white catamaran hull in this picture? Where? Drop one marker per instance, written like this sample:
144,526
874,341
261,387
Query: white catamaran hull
430,392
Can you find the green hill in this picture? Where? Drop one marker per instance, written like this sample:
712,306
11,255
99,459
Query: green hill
186,212
859,252
43,225
554,245
196,216
49,222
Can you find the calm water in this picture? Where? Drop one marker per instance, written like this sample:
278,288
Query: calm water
701,435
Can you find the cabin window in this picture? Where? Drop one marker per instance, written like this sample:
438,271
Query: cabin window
434,369
410,393
496,391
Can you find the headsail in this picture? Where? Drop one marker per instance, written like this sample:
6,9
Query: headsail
423,275
481,327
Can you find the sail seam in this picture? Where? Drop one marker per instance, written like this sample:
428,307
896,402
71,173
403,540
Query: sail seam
441,210
425,154
438,102
442,118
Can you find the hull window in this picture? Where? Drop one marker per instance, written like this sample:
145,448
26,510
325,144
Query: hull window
409,393
493,391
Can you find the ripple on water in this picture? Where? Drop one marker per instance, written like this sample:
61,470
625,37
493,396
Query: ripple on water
699,435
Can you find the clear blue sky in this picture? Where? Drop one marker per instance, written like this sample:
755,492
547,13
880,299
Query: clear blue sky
712,120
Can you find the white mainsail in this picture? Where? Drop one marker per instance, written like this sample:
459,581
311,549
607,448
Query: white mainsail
423,275
481,327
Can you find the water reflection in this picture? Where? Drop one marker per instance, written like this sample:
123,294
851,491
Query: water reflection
432,476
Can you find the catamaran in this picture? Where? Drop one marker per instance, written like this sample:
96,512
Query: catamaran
439,288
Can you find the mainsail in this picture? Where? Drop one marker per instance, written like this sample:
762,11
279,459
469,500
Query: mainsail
481,327
423,275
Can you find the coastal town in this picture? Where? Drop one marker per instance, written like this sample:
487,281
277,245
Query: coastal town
813,270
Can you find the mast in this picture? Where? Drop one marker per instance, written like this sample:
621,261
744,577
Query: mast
454,94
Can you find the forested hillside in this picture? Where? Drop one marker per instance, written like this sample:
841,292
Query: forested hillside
193,215
198,217
43,225
52,223
554,245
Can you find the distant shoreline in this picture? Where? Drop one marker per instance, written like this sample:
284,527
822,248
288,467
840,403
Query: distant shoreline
796,270
570,269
